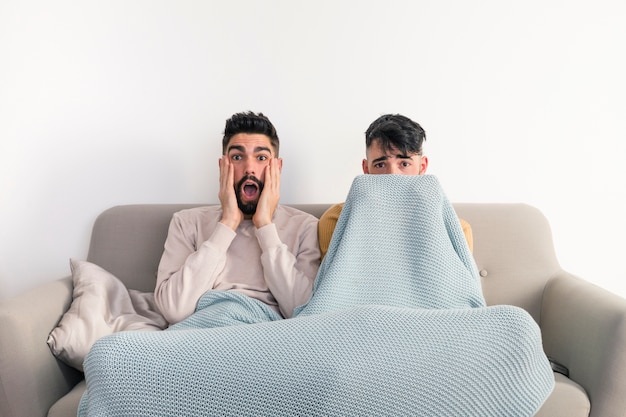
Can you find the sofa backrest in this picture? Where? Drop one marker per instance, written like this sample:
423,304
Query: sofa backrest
513,247
514,252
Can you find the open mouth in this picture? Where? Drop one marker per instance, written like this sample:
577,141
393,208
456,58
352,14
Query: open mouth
250,190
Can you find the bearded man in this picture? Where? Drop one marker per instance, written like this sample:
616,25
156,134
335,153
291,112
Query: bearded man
249,243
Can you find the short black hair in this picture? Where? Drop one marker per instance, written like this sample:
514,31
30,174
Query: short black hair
249,122
396,131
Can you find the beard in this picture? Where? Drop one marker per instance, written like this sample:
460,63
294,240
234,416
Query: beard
247,208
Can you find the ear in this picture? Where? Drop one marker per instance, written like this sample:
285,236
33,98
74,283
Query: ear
280,164
365,168
423,165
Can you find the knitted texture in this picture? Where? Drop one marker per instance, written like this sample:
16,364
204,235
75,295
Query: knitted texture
386,349
397,242
227,308
365,361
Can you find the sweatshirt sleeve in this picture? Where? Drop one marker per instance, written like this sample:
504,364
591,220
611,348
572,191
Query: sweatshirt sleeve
186,272
289,277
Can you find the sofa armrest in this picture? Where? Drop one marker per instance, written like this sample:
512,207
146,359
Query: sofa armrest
31,378
584,328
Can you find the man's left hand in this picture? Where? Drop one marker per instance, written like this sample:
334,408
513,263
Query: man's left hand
268,201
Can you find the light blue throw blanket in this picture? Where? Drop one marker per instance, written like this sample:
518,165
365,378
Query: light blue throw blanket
398,242
396,325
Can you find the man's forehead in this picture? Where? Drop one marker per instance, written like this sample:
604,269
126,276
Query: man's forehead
255,142
378,152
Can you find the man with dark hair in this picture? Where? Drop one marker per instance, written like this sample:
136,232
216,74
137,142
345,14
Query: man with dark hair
393,145
396,132
249,244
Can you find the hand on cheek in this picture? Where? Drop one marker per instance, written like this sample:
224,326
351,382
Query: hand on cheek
231,215
270,195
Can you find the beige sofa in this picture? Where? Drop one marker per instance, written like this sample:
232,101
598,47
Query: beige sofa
583,326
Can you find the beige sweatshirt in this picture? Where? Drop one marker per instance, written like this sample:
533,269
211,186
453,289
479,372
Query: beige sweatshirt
275,264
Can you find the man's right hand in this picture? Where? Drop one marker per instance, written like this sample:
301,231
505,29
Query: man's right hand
231,215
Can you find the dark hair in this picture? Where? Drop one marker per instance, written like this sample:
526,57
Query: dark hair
249,122
395,130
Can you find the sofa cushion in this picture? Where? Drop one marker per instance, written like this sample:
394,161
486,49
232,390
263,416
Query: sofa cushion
568,399
101,305
67,406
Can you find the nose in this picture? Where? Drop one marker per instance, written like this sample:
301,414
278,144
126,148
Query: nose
249,167
394,169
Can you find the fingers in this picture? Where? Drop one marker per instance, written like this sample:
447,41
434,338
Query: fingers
231,215
270,195
272,175
226,172
272,180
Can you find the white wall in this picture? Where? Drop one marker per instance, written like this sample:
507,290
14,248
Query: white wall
116,102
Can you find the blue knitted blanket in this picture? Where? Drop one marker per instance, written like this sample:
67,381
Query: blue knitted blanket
396,325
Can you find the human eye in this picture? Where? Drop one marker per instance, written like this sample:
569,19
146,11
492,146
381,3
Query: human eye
405,164
262,157
379,165
235,157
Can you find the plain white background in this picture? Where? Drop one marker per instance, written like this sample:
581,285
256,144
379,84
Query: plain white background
118,102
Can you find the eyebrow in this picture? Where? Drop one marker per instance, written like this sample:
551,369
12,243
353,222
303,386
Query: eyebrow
385,157
242,149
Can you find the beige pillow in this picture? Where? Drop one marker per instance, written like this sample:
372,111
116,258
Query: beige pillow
101,305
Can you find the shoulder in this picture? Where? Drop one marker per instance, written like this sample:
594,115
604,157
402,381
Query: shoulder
332,214
196,214
290,214
326,226
464,224
467,231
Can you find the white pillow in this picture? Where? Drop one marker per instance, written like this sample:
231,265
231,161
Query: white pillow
101,305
